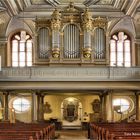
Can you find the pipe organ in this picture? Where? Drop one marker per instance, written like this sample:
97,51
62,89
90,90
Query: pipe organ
87,27
43,43
71,42
99,39
71,36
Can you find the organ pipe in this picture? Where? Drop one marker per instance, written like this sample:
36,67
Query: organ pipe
71,41
44,44
99,43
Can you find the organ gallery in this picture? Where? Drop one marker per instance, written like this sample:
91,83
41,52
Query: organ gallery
69,69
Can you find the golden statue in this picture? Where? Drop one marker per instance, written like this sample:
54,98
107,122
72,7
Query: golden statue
56,20
87,20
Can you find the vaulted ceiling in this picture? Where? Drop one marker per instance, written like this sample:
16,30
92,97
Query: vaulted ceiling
30,9
15,7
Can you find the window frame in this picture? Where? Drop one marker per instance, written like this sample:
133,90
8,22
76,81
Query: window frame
21,111
18,50
129,100
123,51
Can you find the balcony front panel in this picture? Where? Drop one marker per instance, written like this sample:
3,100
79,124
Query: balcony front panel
70,74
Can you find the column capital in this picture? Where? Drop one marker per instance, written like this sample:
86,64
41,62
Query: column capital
101,94
136,92
137,40
107,92
33,91
37,92
40,94
6,92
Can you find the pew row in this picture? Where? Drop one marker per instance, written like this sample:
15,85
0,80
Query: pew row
27,131
115,131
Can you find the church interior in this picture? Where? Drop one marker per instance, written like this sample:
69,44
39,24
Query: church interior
69,69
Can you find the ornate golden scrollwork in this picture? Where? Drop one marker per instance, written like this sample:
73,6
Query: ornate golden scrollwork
100,22
71,7
71,14
87,52
87,20
56,20
56,52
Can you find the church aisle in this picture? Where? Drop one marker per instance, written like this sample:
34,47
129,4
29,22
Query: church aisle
72,135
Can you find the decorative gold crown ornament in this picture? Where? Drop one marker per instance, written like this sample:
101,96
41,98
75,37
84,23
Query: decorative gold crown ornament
56,20
87,52
100,22
56,52
87,20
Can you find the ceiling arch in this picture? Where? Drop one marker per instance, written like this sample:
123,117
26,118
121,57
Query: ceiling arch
28,10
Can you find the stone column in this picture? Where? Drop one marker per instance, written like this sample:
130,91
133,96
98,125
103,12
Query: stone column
105,105
38,108
41,107
137,106
108,107
5,105
56,25
3,46
87,26
137,46
34,107
40,104
102,107
107,49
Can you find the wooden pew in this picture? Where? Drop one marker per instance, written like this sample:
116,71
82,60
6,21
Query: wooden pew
115,131
27,131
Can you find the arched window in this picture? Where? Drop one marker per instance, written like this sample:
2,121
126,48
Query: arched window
21,105
120,46
21,49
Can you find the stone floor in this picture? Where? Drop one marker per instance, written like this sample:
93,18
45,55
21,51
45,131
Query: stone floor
72,135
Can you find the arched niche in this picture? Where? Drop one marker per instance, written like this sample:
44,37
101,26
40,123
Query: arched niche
71,110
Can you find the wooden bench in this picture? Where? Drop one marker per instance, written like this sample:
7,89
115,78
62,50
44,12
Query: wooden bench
27,131
115,131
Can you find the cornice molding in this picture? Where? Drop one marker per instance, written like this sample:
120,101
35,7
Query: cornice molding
3,39
137,41
69,85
